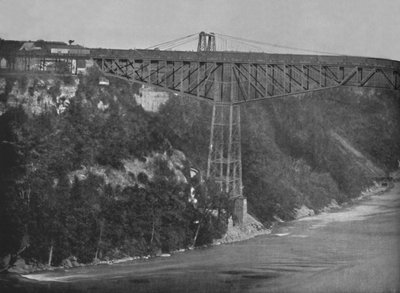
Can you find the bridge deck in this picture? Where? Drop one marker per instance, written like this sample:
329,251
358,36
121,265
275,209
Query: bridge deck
243,57
241,77
237,76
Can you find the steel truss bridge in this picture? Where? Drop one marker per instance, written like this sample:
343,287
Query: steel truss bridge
229,79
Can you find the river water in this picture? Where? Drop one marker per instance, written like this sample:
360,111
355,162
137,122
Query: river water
355,249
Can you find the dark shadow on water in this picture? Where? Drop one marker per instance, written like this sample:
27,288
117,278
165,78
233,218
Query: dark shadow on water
139,281
261,276
251,275
234,272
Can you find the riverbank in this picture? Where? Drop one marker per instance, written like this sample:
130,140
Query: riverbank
353,249
251,228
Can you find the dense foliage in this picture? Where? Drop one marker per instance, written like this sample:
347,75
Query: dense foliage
307,151
304,150
48,215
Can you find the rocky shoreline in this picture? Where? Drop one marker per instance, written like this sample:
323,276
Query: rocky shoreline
253,228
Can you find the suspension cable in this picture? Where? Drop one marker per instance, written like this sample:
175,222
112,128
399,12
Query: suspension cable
244,43
180,43
171,42
277,45
227,38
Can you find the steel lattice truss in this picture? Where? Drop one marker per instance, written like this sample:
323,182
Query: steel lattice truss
197,74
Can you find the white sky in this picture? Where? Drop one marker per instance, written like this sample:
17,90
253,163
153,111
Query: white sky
353,27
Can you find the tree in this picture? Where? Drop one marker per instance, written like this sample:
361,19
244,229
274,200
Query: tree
215,208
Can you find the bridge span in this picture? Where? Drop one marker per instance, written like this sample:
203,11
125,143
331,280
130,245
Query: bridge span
237,77
229,79
253,76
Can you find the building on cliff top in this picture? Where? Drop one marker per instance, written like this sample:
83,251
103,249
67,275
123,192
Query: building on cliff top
70,59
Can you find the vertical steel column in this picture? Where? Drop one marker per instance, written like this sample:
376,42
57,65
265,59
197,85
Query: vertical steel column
221,126
239,153
147,70
221,145
359,75
189,76
198,79
181,71
273,80
212,144
235,164
284,82
308,78
216,156
248,83
266,80
228,187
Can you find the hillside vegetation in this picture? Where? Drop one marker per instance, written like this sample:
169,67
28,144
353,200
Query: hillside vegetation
86,172
92,176
301,150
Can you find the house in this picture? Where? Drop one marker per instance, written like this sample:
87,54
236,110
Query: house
29,46
103,81
59,50
3,63
43,56
8,51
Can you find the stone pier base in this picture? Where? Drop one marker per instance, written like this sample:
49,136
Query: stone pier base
240,211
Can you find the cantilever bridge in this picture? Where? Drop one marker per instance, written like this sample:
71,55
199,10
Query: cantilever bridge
228,79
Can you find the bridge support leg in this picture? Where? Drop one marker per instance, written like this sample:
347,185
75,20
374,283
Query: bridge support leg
225,160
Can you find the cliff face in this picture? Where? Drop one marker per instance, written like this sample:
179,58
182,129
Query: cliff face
37,94
151,99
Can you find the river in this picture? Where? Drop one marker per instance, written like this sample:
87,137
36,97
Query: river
354,249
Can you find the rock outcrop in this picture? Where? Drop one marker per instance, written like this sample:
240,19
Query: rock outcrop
37,94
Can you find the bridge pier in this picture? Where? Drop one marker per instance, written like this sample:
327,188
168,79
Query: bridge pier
224,159
224,163
240,211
